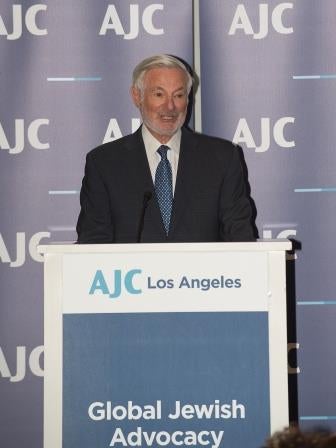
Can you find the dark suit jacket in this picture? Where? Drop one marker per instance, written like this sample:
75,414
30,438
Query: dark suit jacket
210,201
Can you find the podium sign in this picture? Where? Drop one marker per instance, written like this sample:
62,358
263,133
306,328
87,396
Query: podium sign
165,345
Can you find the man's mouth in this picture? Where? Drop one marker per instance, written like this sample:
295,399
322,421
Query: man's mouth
168,117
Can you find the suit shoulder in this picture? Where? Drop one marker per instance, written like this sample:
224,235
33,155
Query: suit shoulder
209,139
213,143
111,148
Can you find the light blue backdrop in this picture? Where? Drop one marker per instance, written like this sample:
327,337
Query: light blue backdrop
268,80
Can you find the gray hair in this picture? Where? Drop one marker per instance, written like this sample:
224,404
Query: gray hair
159,61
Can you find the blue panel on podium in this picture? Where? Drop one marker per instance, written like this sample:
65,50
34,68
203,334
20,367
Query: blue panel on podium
166,379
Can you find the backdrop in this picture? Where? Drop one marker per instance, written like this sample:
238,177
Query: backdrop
267,74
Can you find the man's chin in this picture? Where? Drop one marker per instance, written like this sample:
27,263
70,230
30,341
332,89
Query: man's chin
165,131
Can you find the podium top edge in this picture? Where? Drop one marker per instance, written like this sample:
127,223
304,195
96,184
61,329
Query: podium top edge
267,245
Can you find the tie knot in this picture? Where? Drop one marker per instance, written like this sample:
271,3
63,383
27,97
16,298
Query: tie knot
163,151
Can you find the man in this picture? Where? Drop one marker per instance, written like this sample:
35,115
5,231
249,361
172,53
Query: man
164,183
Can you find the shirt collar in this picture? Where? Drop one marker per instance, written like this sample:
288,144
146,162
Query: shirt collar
152,144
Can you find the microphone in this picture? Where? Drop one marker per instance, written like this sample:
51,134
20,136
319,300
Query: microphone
146,198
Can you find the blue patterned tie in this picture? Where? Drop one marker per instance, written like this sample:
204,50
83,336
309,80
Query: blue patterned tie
164,186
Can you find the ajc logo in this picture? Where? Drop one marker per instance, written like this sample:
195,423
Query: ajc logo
32,136
17,22
113,131
242,22
23,360
20,257
112,21
243,134
285,233
99,283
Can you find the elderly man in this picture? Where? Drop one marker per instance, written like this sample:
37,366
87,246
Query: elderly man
164,183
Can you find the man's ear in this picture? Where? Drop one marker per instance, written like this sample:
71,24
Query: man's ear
136,96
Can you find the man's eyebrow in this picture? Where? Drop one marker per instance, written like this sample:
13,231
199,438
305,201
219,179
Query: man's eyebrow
162,88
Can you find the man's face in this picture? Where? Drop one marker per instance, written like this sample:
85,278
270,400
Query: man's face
163,102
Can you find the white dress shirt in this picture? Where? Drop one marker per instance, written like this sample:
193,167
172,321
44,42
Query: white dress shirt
152,145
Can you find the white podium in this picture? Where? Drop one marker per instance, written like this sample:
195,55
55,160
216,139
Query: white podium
165,344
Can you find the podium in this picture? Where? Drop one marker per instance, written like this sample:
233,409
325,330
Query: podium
165,344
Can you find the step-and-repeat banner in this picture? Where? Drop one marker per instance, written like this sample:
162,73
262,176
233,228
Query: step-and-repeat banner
65,75
268,73
268,83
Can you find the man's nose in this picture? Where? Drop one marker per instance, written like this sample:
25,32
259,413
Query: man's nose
170,103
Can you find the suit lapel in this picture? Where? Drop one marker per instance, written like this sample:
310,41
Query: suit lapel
141,178
186,172
139,169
